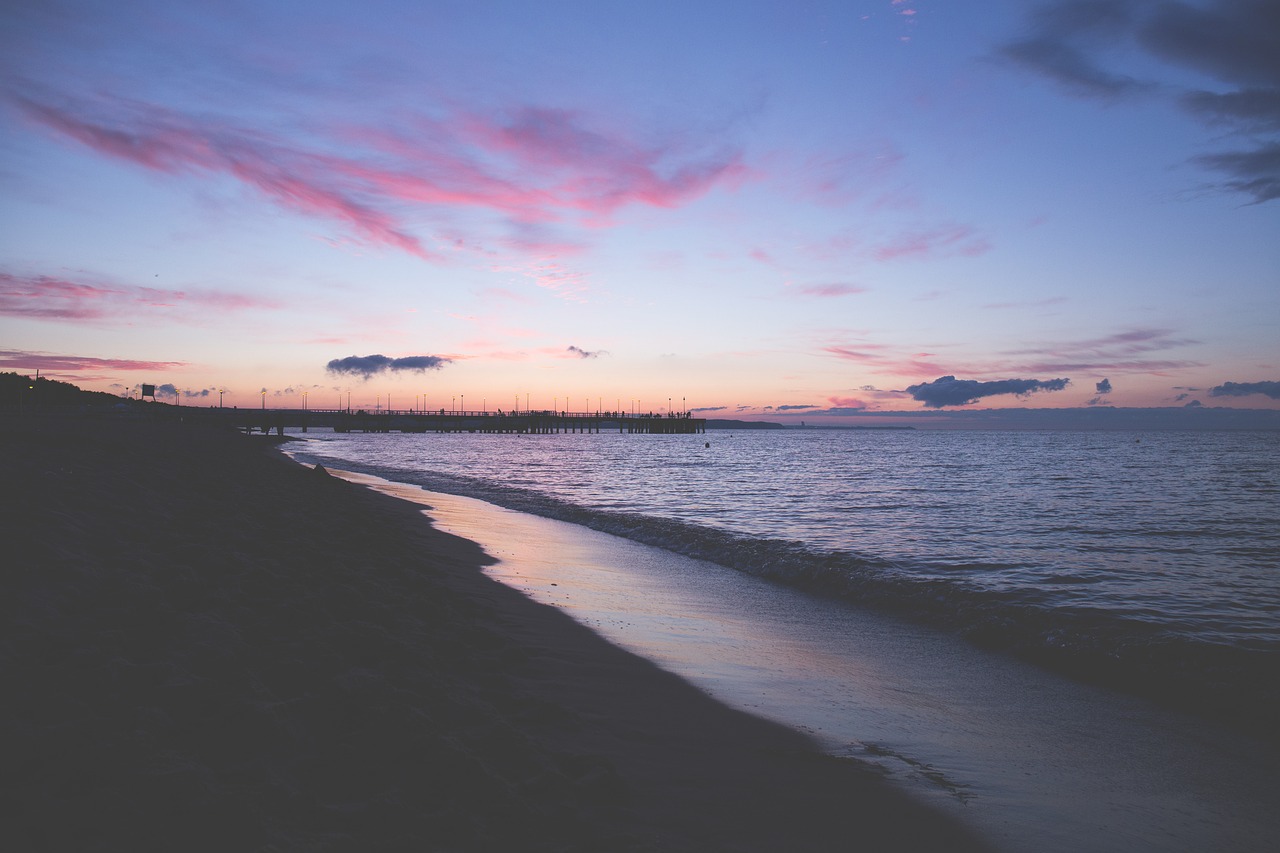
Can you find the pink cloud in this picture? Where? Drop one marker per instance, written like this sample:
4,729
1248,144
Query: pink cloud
507,295
596,171
888,360
838,179
45,362
848,402
554,277
945,240
169,142
864,354
534,165
831,290
53,298
1122,352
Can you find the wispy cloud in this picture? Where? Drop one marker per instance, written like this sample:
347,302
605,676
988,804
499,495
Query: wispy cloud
23,360
578,352
529,165
1038,303
57,298
1236,43
942,241
304,181
845,404
831,290
1123,352
888,360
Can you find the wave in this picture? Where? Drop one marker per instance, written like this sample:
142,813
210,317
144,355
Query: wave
1090,643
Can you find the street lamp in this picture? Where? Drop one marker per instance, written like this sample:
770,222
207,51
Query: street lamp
264,399
221,391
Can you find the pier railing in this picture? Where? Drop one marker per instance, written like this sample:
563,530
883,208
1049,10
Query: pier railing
539,422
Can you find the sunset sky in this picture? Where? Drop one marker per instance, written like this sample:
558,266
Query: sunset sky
753,209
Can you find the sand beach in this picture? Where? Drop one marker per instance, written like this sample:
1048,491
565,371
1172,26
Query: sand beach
210,647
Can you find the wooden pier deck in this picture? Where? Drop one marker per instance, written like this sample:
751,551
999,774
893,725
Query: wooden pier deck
407,421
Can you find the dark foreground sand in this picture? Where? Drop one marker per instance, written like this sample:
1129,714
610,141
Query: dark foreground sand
208,647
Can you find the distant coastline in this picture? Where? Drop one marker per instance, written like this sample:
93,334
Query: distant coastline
1097,417
19,393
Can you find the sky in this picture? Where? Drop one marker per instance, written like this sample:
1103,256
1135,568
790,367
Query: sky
770,210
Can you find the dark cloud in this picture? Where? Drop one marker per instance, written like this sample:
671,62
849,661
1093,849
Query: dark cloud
167,390
1103,388
1234,42
709,409
367,365
1255,173
949,391
1194,404
1244,389
790,408
1062,39
1258,109
582,353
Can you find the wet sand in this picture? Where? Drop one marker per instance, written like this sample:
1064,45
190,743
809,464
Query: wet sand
207,646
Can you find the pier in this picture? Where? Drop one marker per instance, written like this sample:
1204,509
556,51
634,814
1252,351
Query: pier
545,422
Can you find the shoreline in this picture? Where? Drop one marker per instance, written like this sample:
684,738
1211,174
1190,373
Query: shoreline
215,646
1029,759
1230,686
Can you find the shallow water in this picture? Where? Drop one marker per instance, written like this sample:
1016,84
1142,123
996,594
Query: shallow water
1033,761
1159,552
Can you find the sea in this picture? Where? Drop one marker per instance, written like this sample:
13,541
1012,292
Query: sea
1071,638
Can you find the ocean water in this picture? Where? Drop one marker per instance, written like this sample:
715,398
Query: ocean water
1149,560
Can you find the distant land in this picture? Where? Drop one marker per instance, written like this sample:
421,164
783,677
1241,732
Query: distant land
18,392
731,424
1094,417
719,423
